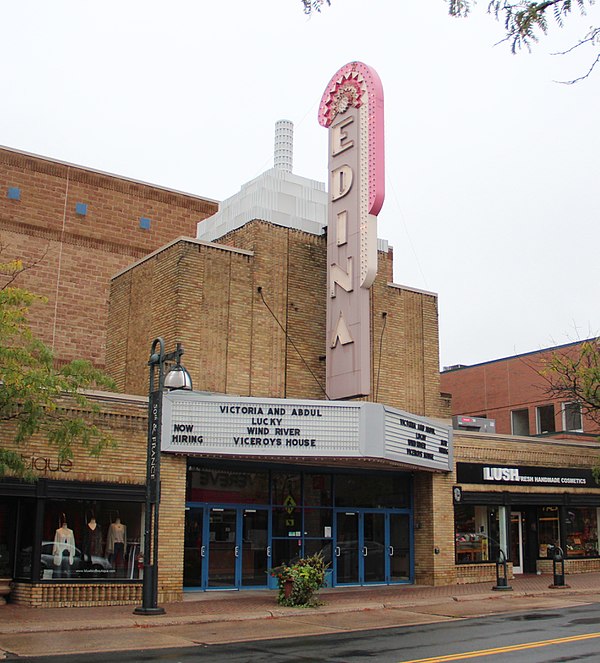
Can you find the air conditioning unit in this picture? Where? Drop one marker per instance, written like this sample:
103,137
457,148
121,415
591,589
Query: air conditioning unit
479,424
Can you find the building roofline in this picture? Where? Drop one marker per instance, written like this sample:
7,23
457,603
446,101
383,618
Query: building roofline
522,354
112,175
181,238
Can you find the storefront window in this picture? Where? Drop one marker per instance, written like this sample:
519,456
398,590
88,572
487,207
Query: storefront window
548,529
227,487
25,538
5,530
86,541
286,488
286,550
287,521
582,532
317,489
476,534
384,491
318,522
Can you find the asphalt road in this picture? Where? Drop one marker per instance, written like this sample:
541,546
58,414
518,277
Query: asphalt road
569,634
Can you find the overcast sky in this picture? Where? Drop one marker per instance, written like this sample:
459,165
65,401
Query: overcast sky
492,168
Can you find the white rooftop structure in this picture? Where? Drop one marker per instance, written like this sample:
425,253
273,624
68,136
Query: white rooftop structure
277,196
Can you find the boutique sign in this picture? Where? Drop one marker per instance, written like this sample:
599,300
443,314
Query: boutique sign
525,475
196,423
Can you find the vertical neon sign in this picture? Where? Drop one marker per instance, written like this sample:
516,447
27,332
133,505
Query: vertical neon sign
352,109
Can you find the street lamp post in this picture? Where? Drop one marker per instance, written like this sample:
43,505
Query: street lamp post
177,378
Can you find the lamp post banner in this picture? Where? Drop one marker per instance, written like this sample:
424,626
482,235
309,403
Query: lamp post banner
203,424
153,443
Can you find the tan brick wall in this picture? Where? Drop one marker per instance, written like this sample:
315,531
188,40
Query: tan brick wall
76,256
206,296
434,529
126,420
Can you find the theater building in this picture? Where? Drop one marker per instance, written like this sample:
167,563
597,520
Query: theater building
314,425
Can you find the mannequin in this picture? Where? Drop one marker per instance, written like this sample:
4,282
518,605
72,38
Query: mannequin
116,543
63,550
92,540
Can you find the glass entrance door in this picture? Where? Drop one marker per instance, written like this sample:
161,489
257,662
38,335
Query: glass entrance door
346,550
399,548
516,541
255,549
374,551
372,546
194,549
225,547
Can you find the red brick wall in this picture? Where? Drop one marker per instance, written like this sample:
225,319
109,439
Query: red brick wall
77,255
496,388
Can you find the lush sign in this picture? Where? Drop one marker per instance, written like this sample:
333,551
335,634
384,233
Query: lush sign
525,475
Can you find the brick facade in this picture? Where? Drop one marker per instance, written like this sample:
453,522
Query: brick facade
207,297
494,389
124,464
73,255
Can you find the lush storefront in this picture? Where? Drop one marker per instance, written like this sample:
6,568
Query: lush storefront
527,512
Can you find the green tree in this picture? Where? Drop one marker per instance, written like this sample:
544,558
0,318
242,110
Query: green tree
35,396
524,21
575,376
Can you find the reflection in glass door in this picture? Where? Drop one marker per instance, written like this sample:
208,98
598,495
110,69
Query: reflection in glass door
226,547
399,547
373,549
346,551
223,548
516,541
255,536
193,548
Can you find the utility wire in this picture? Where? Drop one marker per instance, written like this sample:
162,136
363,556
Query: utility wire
384,316
291,341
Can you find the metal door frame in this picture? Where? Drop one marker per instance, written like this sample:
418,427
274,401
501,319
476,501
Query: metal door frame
360,511
239,509
519,522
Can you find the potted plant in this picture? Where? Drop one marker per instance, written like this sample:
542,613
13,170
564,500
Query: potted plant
299,581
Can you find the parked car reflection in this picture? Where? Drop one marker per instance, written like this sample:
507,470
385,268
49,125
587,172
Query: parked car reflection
82,566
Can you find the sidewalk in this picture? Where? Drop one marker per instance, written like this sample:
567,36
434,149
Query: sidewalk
218,617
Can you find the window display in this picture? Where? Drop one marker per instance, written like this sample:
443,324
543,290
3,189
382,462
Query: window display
85,541
548,529
581,532
475,534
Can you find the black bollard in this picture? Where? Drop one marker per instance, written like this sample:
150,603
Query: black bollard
558,568
502,573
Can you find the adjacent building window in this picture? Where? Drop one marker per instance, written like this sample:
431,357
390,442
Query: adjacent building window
476,533
520,422
581,532
572,417
545,419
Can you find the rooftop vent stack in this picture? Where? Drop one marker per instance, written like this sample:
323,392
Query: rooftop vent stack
284,146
